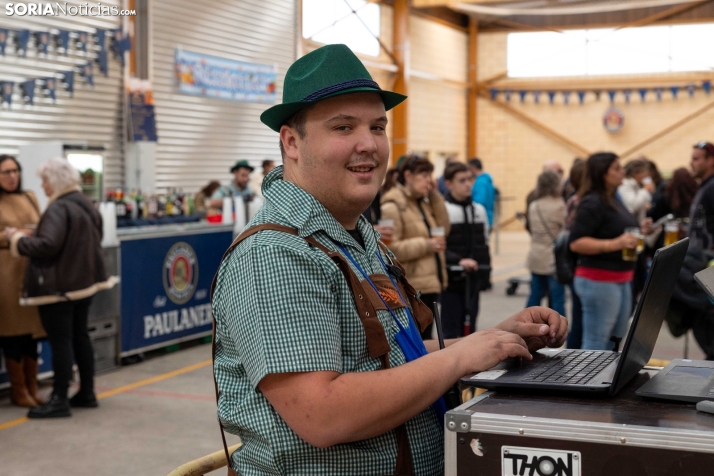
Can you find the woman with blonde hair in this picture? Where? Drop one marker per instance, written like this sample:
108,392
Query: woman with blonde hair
66,269
20,326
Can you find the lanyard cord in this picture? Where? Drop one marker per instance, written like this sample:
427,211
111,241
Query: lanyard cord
366,277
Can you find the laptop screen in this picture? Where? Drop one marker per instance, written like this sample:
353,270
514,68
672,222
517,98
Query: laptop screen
650,312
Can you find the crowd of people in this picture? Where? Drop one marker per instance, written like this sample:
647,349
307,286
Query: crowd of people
52,267
608,211
439,231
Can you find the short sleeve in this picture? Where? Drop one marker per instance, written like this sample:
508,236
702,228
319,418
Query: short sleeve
280,309
588,218
219,193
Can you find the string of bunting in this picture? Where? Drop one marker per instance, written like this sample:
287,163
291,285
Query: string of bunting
61,41
612,94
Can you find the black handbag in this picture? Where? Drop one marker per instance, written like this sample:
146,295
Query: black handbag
564,258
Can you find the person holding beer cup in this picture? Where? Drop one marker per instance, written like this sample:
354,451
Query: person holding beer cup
420,225
607,238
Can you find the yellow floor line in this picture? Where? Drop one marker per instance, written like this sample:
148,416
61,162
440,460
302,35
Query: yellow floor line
126,388
12,423
155,379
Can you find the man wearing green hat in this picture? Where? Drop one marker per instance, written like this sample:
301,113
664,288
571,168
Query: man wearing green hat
298,374
238,187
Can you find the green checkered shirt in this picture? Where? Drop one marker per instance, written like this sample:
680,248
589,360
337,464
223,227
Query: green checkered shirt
283,306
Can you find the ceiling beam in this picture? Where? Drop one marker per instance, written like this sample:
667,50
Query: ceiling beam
668,129
663,15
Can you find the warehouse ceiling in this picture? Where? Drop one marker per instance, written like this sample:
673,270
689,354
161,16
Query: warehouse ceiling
554,14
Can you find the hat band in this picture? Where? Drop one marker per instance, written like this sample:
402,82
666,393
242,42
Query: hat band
354,83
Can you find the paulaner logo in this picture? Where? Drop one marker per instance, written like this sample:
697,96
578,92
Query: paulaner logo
64,9
180,273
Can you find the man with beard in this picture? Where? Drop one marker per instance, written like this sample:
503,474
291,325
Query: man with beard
701,215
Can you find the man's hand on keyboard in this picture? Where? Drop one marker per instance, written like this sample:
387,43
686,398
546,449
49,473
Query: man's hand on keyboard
538,326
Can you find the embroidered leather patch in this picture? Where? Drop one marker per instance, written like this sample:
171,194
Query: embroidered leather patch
387,291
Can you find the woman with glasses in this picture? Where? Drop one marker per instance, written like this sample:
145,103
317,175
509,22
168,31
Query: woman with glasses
66,270
20,326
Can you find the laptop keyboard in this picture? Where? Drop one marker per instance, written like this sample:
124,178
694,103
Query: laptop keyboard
571,366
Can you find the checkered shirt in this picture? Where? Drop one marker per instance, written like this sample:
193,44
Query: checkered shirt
284,306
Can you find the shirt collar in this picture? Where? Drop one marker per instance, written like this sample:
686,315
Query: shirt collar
303,211
706,181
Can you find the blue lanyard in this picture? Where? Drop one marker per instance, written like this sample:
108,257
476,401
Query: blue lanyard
366,277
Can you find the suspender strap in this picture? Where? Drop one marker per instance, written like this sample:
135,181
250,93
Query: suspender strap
377,343
231,471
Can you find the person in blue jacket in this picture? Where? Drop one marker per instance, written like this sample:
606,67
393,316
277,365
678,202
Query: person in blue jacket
483,191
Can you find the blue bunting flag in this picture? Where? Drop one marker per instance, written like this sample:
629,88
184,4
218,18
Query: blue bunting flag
121,44
643,94
551,96
63,40
88,73
23,36
28,91
82,39
43,41
101,37
523,95
494,93
674,90
4,35
103,60
7,87
581,97
51,88
612,95
69,81
707,86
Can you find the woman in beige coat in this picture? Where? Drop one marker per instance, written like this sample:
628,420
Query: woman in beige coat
417,208
546,217
20,326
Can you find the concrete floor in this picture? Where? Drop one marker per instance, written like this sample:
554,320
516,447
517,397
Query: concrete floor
158,414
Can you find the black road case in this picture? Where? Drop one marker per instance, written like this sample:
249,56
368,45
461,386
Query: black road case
548,435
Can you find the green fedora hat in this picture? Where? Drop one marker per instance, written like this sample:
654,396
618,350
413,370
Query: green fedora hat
242,164
330,71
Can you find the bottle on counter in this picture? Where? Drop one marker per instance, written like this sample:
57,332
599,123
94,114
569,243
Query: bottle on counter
152,207
140,204
178,202
162,206
117,197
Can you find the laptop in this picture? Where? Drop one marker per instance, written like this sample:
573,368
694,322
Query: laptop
592,371
683,380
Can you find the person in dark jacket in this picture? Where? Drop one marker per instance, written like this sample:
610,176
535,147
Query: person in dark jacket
701,215
65,270
598,235
467,248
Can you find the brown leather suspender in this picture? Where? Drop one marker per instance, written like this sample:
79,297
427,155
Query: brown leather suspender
377,343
